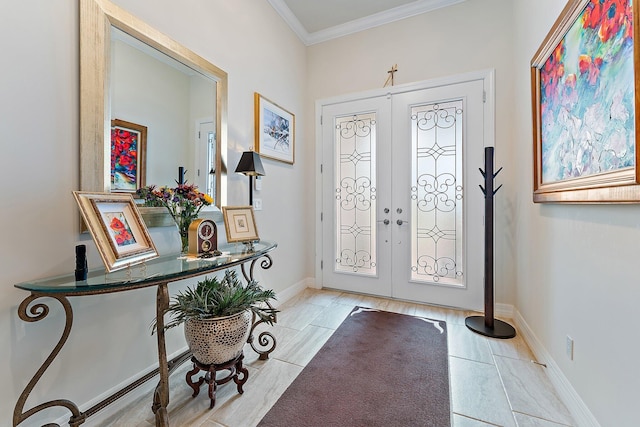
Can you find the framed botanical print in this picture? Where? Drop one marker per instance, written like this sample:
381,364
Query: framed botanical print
117,228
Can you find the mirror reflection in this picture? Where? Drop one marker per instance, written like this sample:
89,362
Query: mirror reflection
178,114
135,77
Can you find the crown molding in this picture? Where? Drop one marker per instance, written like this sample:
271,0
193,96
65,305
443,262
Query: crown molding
401,12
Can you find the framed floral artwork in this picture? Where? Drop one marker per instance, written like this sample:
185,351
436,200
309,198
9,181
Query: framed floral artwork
128,156
275,130
240,224
117,228
585,103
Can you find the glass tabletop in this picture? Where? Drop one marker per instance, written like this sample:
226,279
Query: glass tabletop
166,268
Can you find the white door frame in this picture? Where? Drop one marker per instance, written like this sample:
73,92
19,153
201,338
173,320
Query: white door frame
488,78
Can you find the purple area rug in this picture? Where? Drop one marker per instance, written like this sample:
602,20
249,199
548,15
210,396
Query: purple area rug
377,369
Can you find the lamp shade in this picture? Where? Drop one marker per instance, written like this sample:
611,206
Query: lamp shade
250,164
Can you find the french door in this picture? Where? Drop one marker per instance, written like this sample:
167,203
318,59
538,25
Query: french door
402,214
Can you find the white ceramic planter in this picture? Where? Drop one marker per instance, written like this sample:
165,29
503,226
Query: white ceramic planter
217,340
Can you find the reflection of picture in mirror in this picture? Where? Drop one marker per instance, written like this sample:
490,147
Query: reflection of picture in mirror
128,144
120,229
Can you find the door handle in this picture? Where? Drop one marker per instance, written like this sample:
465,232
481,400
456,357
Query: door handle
400,222
384,221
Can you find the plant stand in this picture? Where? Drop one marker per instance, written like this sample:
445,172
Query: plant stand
233,366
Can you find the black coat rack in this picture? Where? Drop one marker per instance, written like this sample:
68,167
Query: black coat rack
487,325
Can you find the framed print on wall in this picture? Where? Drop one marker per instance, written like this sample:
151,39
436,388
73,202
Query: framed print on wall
585,104
128,156
275,130
240,224
117,228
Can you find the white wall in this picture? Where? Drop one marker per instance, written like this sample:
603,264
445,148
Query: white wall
577,265
143,80
39,106
445,42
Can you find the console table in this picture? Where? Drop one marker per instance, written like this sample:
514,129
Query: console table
158,272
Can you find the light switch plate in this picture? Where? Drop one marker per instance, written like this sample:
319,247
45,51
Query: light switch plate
257,204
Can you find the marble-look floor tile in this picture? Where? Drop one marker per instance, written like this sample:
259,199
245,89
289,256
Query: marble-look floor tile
301,349
248,409
312,296
530,391
320,297
462,421
515,348
456,317
476,392
524,420
332,316
466,344
430,311
401,307
350,299
298,316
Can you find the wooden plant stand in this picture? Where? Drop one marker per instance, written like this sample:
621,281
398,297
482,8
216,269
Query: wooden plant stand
233,366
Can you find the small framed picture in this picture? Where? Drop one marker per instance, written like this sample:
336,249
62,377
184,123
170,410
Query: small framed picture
128,156
240,224
117,228
275,130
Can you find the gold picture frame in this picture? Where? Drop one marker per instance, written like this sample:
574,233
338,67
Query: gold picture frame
128,156
117,228
240,224
275,130
585,102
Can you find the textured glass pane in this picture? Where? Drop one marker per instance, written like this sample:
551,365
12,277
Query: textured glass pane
355,192
436,193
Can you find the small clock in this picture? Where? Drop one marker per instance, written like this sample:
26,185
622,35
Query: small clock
203,238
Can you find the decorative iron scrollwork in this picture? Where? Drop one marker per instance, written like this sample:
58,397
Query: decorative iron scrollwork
437,191
266,339
36,313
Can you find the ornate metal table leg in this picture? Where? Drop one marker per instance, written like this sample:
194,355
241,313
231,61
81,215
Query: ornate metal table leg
265,339
161,395
38,312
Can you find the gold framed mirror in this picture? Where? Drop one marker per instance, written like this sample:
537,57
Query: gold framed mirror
106,29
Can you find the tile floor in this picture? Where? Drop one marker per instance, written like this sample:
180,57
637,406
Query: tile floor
493,382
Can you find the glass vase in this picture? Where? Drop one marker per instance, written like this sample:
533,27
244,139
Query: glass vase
183,229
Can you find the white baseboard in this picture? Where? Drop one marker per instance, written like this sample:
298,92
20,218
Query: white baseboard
578,409
503,310
285,295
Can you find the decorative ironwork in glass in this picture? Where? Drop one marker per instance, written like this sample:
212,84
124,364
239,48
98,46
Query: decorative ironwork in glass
437,194
355,193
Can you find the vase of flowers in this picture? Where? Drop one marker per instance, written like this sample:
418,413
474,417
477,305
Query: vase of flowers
184,203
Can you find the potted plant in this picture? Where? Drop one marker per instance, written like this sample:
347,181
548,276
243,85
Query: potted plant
217,315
